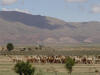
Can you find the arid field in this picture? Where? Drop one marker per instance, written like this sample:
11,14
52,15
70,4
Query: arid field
7,65
6,68
68,50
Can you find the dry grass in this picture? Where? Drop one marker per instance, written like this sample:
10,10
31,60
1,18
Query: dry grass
6,68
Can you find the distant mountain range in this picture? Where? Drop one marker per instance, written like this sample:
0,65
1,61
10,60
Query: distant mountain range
22,28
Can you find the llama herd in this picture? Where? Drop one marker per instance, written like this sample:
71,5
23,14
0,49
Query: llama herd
55,59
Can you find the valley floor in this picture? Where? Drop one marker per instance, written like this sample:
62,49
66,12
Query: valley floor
7,68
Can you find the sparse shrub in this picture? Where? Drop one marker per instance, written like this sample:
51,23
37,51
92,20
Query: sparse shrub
36,48
69,65
40,47
96,71
10,46
24,68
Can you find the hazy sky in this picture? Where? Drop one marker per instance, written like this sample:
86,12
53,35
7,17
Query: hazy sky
68,10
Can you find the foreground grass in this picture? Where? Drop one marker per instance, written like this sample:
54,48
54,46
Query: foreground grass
51,69
6,68
47,73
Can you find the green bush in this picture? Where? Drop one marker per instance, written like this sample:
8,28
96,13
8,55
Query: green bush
10,46
24,68
69,65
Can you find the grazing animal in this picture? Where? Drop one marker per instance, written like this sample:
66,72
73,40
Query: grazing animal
55,59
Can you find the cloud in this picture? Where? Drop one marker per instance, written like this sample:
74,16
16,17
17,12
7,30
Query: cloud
96,9
16,9
8,2
76,0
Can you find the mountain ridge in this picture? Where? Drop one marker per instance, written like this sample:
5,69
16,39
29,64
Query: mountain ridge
22,28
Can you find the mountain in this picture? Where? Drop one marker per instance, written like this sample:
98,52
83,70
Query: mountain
23,28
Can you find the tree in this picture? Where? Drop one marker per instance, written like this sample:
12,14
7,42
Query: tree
28,69
69,65
19,67
24,68
10,46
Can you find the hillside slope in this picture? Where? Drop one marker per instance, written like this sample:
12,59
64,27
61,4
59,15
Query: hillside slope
22,28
